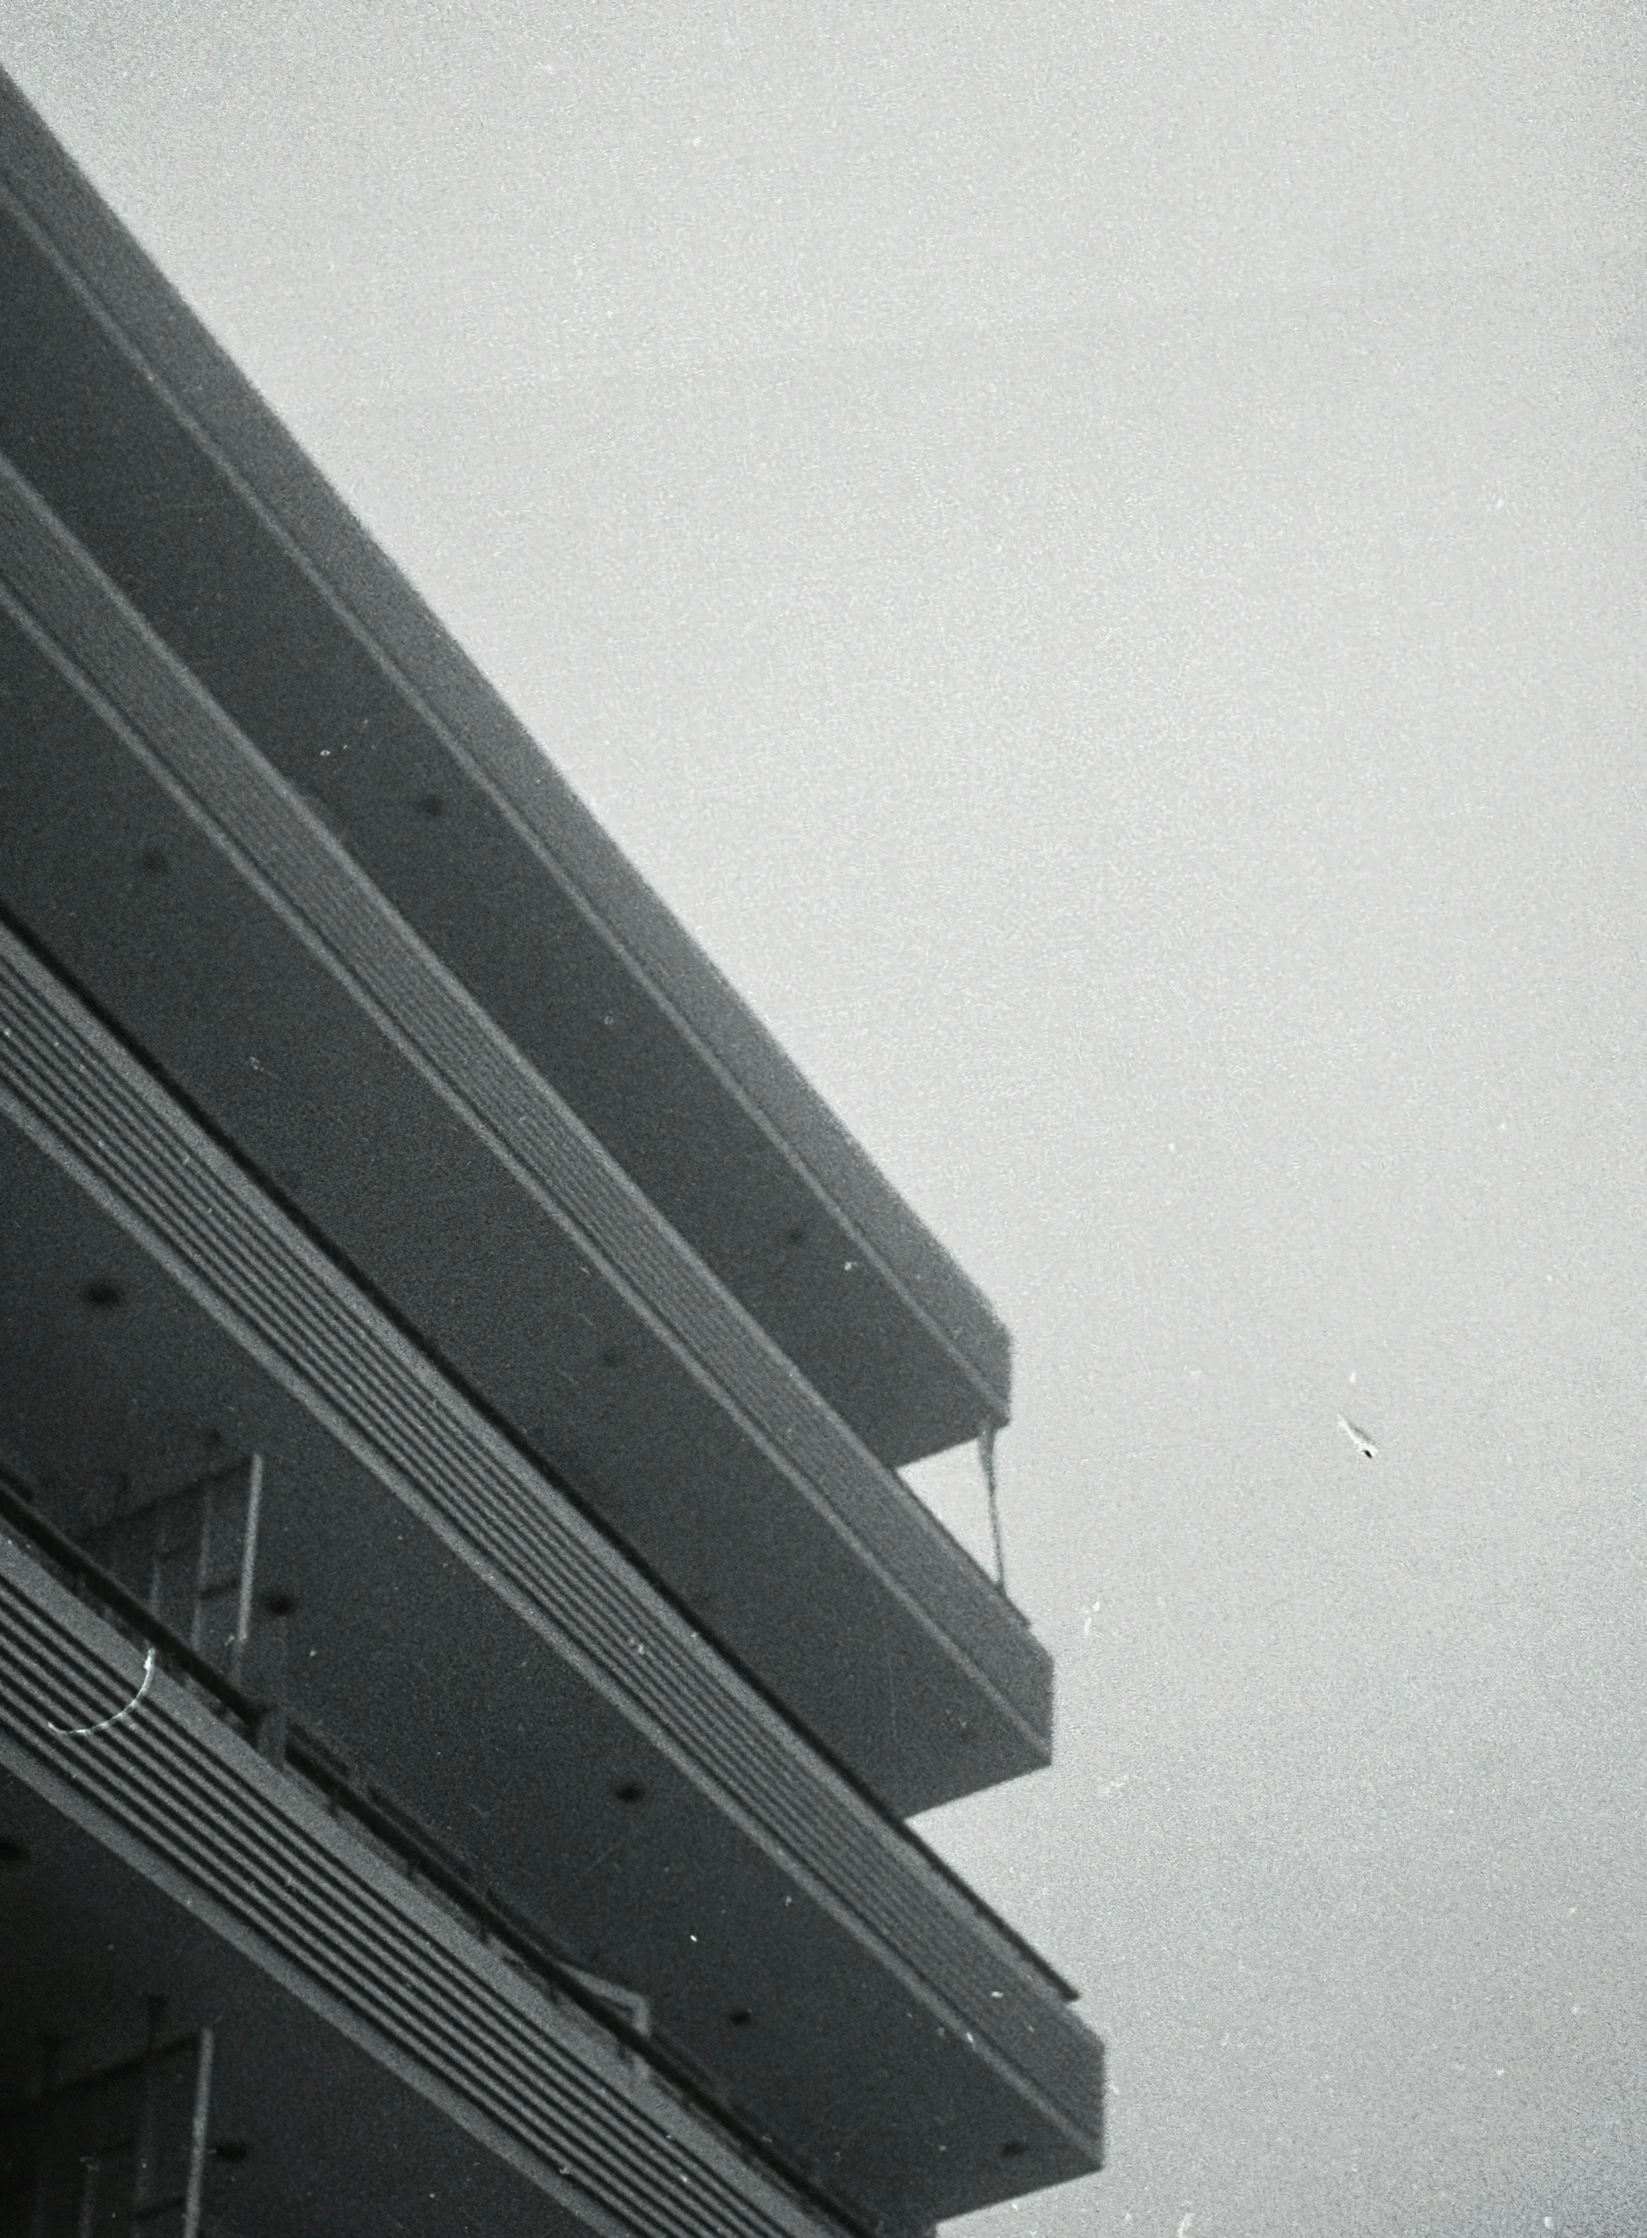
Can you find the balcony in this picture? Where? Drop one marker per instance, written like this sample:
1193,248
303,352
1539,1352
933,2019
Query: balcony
209,913
225,1965
452,1640
121,411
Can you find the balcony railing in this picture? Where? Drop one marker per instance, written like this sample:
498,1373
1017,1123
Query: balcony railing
397,1834
344,1064
342,1964
972,2020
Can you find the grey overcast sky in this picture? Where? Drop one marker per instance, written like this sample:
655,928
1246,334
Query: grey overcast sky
1096,555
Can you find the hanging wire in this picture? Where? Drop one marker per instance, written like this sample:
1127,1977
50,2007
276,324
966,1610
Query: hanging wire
986,1455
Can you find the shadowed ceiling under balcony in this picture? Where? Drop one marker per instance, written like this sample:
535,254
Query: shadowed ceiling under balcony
120,409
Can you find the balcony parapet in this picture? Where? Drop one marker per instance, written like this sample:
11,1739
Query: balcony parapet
340,1049
273,1875
392,1830
146,439
81,1098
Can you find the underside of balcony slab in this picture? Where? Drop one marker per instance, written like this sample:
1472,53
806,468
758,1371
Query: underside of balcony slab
122,411
462,1629
210,915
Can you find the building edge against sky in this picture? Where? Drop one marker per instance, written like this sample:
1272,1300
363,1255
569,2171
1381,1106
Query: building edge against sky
863,1297
162,464
472,1651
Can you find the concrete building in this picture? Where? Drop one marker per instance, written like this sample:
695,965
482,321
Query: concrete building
467,1654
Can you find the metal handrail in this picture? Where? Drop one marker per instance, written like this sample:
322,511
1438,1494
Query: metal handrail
493,1916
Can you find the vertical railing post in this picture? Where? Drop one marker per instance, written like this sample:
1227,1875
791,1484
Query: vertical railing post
86,2217
986,1455
271,1677
144,2149
199,2127
50,2049
206,1493
248,1568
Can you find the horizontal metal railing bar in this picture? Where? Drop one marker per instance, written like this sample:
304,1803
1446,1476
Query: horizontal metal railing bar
267,1863
975,1904
554,1156
493,1915
76,2085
